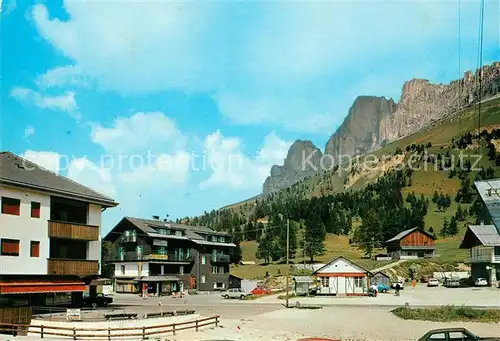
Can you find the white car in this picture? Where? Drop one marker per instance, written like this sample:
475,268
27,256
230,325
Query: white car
235,293
432,282
400,283
481,282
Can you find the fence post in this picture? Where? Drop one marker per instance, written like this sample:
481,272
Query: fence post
173,328
216,320
41,331
196,325
144,333
109,333
74,333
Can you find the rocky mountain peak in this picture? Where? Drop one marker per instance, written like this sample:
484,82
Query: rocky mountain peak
302,160
374,121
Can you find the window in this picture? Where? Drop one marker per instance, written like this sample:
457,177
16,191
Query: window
459,336
203,260
214,269
220,285
358,282
178,233
122,269
35,249
325,282
221,240
35,209
181,270
217,269
10,247
437,337
214,238
11,206
202,279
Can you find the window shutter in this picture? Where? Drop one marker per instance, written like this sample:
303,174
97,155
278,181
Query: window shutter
10,247
35,249
35,209
11,206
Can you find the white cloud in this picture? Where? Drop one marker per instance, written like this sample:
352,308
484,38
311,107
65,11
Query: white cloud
166,169
232,168
65,102
258,58
28,131
46,159
60,76
274,150
92,175
151,131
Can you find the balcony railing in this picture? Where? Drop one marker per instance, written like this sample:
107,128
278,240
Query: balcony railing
484,258
156,257
220,259
171,257
128,238
78,267
61,229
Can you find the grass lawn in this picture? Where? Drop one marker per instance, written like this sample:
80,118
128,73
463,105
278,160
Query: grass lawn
449,314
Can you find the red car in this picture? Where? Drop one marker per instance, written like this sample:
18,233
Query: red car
261,291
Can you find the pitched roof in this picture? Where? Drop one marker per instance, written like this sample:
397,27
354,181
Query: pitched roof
485,235
19,172
404,233
489,190
148,226
380,272
336,259
303,279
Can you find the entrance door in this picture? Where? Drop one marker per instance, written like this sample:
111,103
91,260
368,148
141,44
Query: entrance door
341,285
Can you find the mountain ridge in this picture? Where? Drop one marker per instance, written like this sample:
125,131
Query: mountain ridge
374,121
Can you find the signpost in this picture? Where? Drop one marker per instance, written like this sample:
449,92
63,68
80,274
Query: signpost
73,314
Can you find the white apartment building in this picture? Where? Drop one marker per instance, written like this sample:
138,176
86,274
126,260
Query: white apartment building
49,226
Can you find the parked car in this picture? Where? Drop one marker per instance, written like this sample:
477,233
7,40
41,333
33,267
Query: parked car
261,291
425,279
401,285
432,282
381,287
451,283
99,300
481,282
454,334
235,293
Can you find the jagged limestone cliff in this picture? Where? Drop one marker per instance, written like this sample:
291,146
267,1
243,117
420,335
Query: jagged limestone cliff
373,121
303,159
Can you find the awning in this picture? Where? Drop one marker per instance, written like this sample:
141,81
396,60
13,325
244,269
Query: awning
27,287
158,279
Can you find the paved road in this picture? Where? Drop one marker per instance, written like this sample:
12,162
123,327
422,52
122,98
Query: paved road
205,305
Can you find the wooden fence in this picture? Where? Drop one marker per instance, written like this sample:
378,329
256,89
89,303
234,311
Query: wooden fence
106,333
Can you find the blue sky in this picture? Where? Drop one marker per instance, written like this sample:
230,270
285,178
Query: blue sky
87,85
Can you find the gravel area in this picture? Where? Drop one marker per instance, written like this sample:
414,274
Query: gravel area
345,323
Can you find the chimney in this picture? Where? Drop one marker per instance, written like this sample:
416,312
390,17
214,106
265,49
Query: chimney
156,217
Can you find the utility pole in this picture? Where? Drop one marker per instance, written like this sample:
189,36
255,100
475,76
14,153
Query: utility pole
287,258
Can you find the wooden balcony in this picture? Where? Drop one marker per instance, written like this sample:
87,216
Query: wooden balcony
61,229
78,267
